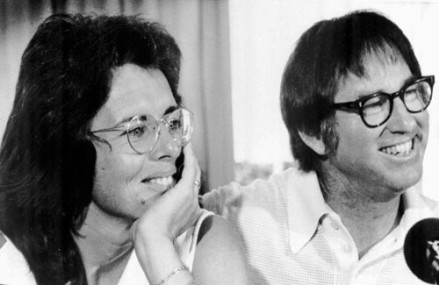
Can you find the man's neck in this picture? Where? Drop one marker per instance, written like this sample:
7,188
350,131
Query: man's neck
367,219
104,244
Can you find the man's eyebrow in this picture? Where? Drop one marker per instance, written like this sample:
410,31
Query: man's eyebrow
409,80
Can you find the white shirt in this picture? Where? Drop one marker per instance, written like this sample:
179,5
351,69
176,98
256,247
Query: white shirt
291,236
13,266
185,243
15,270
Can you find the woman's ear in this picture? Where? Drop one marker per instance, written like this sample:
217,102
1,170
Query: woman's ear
314,143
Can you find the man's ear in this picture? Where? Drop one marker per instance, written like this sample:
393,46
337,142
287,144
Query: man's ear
314,143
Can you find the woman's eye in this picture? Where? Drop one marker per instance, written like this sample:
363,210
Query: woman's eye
137,131
174,125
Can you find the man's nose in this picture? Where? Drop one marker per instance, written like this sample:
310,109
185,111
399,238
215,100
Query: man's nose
165,146
401,120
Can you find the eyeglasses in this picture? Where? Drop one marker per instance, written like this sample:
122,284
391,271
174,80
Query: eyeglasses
377,108
143,131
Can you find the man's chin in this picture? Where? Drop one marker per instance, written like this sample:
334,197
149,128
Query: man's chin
403,182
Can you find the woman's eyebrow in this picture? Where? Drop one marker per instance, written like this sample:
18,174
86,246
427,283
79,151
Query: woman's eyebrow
171,109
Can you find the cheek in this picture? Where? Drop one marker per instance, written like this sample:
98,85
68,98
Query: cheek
347,123
113,169
355,138
116,184
423,120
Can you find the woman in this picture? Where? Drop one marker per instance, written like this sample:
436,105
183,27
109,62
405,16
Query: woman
93,184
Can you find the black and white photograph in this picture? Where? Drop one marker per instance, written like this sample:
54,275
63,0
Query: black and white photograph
212,142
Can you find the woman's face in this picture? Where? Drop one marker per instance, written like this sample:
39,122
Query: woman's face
127,182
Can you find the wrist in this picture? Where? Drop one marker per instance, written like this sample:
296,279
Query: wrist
171,274
153,233
154,244
158,257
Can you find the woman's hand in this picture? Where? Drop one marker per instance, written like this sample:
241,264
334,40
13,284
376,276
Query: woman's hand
170,215
176,210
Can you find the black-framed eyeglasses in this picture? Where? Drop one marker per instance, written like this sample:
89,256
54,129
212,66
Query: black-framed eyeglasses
143,131
376,109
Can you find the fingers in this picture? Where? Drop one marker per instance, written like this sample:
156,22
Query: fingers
177,209
192,175
191,172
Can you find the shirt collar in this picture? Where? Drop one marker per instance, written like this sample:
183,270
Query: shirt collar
416,208
306,206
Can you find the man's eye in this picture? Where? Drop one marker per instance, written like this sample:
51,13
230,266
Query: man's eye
375,105
375,102
411,94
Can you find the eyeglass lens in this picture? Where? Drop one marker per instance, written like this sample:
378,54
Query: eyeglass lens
377,110
143,131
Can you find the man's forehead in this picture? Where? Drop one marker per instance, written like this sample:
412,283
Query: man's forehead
372,63
380,60
380,75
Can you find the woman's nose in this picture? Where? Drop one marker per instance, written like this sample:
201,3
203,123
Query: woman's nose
165,146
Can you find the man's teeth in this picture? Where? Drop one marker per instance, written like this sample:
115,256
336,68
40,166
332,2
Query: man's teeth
164,181
399,149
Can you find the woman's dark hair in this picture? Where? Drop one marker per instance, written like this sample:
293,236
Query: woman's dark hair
47,161
324,55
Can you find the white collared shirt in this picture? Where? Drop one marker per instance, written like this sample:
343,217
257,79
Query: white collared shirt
14,269
291,236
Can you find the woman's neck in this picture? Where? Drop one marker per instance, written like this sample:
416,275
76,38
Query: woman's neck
105,246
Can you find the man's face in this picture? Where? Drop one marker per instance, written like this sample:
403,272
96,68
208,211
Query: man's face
127,182
388,157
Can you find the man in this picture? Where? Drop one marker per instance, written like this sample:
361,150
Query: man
94,187
354,101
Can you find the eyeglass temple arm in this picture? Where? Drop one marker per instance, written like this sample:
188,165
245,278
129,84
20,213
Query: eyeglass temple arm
353,107
115,129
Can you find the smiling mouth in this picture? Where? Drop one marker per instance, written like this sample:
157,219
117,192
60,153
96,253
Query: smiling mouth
167,182
401,149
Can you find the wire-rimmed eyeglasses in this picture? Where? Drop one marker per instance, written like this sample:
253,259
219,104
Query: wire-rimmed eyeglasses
143,131
376,109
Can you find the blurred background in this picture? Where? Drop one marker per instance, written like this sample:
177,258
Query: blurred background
234,52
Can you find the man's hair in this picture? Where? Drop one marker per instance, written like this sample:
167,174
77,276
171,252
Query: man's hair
47,159
325,54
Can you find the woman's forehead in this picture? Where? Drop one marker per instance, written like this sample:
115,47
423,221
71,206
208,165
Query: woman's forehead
136,91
